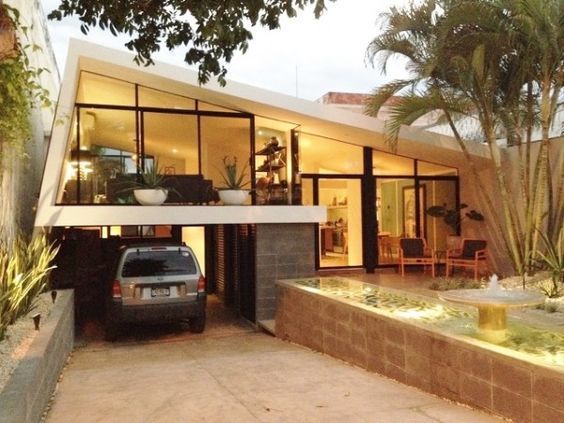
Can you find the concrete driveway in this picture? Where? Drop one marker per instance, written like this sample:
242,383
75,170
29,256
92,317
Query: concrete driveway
234,376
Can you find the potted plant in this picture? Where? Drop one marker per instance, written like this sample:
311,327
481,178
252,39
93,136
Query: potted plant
233,193
148,189
453,217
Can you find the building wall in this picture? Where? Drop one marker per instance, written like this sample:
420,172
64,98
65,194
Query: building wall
283,251
22,172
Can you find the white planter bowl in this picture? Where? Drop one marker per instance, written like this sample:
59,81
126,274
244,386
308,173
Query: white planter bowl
233,197
150,197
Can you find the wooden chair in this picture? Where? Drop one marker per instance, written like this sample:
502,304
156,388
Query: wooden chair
384,247
414,252
472,253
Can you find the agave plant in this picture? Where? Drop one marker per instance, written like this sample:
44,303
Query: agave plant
151,178
553,260
24,271
232,178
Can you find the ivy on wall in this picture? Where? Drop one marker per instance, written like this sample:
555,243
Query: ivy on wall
20,89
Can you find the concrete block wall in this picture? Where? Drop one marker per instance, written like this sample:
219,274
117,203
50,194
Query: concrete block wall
283,251
30,387
428,360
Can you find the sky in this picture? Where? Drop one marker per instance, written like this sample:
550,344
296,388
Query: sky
306,57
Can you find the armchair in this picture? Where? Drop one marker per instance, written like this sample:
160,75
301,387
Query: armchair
471,254
415,252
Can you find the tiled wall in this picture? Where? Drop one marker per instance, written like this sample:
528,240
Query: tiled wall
428,360
282,251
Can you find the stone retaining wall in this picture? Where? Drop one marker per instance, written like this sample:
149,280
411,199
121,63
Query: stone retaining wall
30,387
431,361
283,251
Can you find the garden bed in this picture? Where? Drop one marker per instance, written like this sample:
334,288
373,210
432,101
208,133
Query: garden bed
31,383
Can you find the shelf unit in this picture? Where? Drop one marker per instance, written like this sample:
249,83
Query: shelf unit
274,161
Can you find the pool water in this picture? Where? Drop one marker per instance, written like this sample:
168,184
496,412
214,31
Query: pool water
543,344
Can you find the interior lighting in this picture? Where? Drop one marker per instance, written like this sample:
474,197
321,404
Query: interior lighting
174,150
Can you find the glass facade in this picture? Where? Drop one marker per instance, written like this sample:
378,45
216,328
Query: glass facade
118,129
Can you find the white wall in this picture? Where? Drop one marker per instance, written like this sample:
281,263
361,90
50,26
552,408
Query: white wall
194,237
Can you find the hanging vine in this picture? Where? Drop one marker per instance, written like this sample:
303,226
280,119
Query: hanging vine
20,89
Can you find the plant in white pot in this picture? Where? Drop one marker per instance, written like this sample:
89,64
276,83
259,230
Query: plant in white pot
233,193
149,190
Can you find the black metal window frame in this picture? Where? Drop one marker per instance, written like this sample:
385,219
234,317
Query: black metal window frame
368,202
140,133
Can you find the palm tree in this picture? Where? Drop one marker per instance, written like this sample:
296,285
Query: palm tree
500,62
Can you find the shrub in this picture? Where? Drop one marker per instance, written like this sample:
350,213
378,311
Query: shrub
24,271
552,259
445,284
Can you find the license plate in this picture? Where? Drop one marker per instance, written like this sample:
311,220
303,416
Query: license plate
160,292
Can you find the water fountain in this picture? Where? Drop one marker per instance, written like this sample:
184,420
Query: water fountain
492,304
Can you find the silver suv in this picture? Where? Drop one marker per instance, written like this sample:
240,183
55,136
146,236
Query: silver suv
156,283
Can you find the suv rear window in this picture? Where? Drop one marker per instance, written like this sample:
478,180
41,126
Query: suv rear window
158,263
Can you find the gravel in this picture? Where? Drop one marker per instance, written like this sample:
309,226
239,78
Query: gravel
19,337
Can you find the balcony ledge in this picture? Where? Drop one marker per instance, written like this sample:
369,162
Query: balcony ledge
107,215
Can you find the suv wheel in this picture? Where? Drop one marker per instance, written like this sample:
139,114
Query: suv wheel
197,324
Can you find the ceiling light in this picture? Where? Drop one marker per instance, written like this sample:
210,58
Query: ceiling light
174,150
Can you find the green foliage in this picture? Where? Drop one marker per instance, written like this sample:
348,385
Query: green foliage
452,217
211,30
445,284
498,64
552,259
152,177
24,272
232,178
19,89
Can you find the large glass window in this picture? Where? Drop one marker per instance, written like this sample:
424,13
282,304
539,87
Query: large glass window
224,137
391,164
97,89
440,193
396,215
324,155
102,149
149,97
173,140
340,238
434,169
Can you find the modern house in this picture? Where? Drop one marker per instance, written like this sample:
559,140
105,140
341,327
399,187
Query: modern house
327,191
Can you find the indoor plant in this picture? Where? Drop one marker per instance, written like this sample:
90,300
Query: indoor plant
148,189
233,193
452,217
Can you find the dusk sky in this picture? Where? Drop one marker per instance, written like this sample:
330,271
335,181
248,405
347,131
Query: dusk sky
306,57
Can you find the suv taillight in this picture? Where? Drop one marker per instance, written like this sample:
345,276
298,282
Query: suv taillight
201,284
116,289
